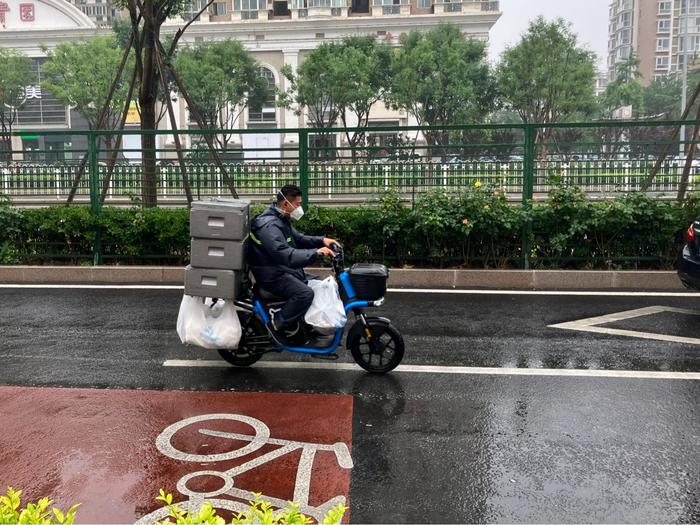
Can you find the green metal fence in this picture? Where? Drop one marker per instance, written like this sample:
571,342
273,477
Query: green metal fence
343,165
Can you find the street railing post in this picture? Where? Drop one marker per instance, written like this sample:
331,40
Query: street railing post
304,166
528,185
93,176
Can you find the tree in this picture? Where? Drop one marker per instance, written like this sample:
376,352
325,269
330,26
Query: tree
222,79
625,90
80,75
338,80
366,82
662,98
151,58
314,86
442,78
15,76
317,87
547,77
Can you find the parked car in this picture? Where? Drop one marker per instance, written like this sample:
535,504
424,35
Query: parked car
689,260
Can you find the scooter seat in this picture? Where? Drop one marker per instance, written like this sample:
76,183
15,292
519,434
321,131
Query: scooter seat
269,297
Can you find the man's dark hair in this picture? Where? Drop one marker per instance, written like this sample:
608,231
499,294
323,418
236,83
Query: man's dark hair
289,192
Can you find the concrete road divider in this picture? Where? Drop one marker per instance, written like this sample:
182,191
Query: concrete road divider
398,278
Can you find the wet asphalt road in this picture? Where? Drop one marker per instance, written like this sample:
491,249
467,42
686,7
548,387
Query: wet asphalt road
433,447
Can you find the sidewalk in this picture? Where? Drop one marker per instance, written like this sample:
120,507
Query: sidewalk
398,278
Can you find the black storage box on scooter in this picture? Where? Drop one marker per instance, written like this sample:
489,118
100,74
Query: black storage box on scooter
369,281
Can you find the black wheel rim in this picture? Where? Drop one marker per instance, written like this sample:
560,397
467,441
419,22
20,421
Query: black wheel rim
379,352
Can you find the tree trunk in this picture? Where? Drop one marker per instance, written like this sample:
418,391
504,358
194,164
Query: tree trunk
149,118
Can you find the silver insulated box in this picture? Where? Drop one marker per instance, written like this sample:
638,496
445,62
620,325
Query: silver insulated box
227,219
219,229
219,254
203,282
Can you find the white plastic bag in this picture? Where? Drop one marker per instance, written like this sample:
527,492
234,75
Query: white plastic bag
326,313
201,324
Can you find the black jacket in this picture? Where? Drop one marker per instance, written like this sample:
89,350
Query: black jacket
276,248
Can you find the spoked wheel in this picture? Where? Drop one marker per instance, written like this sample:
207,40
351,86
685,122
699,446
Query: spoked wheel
253,344
380,353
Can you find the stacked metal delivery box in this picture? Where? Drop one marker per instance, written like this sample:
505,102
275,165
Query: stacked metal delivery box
219,230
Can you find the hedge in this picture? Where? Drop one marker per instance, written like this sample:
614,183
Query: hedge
477,228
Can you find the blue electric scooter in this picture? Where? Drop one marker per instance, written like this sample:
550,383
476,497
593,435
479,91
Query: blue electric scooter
375,344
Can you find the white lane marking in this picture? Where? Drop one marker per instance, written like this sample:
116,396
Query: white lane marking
573,293
598,293
591,324
97,286
459,370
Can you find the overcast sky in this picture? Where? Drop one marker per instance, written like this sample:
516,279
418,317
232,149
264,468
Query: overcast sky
589,19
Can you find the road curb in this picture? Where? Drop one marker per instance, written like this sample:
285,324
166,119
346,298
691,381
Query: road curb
398,278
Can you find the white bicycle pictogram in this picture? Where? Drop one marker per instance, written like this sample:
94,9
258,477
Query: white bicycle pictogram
254,443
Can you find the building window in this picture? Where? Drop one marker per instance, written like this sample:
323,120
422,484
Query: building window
663,26
425,4
626,37
453,8
219,9
690,7
267,112
624,53
489,6
665,7
303,13
693,43
661,62
249,8
390,3
662,44
303,4
625,20
391,10
336,11
194,8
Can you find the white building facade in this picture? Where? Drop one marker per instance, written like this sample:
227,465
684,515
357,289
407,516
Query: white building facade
276,33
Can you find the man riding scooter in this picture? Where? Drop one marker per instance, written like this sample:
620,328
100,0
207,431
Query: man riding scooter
277,257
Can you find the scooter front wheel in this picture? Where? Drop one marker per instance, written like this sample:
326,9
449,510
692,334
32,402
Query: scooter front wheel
381,351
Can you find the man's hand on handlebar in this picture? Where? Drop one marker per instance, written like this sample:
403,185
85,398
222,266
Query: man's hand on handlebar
325,252
328,243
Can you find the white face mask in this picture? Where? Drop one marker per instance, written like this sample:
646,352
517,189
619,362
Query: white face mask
297,213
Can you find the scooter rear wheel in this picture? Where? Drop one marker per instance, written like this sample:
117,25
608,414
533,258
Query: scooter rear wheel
382,352
244,355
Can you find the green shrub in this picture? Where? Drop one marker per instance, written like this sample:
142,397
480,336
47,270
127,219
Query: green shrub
474,228
259,512
11,511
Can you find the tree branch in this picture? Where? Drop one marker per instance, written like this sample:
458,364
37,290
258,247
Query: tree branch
182,30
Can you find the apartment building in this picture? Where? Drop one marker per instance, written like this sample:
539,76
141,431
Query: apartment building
661,33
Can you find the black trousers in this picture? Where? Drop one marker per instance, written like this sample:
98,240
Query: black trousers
298,295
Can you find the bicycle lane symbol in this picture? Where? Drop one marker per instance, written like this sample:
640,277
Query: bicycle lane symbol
254,443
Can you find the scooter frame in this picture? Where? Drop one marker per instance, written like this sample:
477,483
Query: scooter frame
353,305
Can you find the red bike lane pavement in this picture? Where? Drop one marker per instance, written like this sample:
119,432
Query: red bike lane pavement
112,450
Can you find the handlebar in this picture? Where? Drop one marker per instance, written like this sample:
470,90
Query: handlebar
339,259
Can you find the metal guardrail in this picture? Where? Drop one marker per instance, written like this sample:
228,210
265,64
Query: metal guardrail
339,181
524,160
